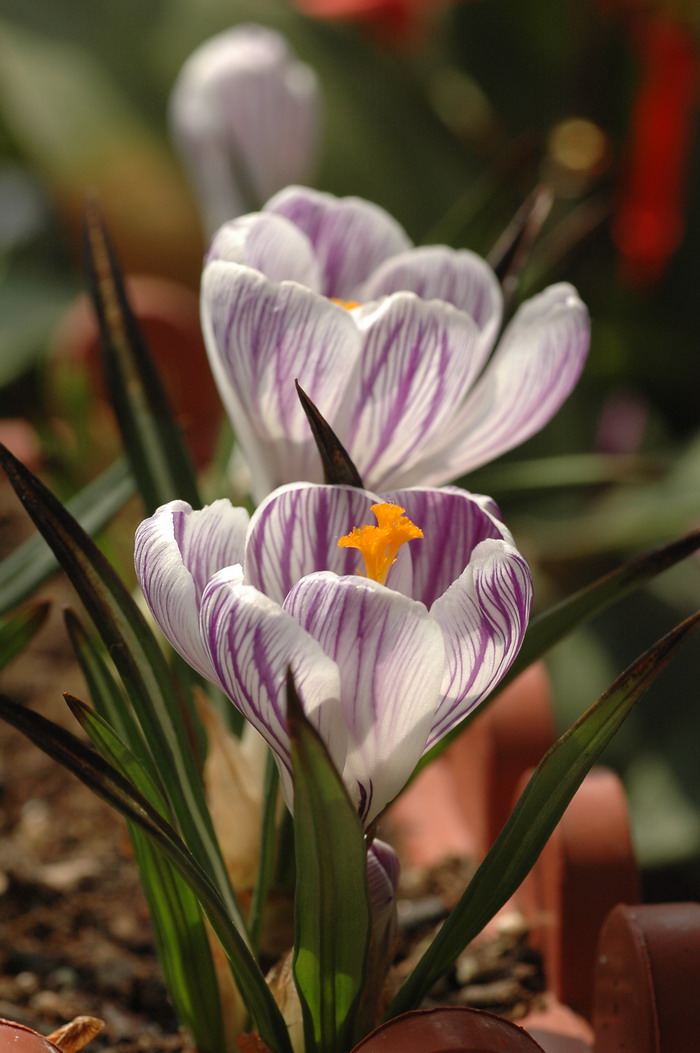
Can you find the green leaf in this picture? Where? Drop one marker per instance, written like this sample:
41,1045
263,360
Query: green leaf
110,701
181,936
30,564
332,917
536,814
511,252
182,943
338,469
268,845
570,471
16,632
116,752
152,440
551,626
139,662
111,786
548,628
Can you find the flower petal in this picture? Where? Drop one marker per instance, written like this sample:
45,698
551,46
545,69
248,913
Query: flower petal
453,522
416,365
270,244
245,114
435,272
533,370
177,550
483,616
382,881
351,237
253,643
391,659
260,337
295,532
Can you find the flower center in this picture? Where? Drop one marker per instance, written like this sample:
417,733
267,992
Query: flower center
379,544
347,304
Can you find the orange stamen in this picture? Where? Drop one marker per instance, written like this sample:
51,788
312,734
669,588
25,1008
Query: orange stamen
379,544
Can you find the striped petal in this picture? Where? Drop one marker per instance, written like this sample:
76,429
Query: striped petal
417,363
260,337
252,644
295,532
533,370
351,237
270,244
245,115
453,522
483,616
435,272
177,551
391,660
382,885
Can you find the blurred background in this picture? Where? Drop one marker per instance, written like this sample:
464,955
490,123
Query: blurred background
449,116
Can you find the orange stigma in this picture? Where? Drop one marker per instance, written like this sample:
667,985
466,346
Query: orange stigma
347,304
379,544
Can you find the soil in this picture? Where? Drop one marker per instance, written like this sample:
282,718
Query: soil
75,934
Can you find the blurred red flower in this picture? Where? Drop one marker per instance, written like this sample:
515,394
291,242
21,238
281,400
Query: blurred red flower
649,220
395,21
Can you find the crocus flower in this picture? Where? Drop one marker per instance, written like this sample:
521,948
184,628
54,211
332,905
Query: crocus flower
245,115
393,632
394,345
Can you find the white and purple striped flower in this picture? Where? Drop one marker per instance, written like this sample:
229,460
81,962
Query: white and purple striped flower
245,115
383,670
394,345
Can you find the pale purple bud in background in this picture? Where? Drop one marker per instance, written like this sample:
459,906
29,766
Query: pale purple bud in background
622,425
245,116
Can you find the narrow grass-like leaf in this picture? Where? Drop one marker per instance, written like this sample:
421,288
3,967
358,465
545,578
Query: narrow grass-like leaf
551,626
30,564
139,662
181,936
268,848
332,917
536,814
566,471
152,440
182,943
116,752
512,250
548,628
109,699
16,632
112,787
338,468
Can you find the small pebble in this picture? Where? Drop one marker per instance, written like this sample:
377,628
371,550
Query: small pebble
62,979
26,983
499,992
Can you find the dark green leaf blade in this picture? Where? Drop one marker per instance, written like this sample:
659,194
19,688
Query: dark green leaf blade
181,936
511,252
112,787
332,918
537,812
16,632
182,942
108,697
268,846
30,564
338,468
115,752
548,628
552,625
139,662
152,440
